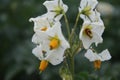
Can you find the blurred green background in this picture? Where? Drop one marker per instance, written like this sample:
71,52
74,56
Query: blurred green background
16,59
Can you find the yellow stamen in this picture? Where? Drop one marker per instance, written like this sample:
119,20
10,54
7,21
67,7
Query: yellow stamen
97,64
54,43
43,65
43,28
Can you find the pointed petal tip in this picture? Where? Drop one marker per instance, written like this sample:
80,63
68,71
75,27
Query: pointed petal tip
31,19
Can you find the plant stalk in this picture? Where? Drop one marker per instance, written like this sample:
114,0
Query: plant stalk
67,24
72,67
74,27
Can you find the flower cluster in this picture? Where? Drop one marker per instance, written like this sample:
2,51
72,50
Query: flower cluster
48,36
91,32
51,43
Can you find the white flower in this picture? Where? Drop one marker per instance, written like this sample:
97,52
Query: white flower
53,37
41,23
103,56
42,52
56,8
97,58
39,37
51,50
91,33
86,8
52,46
95,17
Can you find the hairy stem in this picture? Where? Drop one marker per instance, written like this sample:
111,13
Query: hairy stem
72,67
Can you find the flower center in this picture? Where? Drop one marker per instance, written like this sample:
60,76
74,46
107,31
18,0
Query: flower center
43,65
58,10
97,64
88,32
44,28
54,43
86,11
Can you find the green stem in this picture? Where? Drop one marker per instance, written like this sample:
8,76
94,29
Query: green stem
67,24
76,50
72,67
75,26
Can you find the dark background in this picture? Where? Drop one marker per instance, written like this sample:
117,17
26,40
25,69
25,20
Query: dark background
16,59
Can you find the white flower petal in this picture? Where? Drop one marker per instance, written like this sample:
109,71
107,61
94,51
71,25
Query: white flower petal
41,22
88,4
92,3
93,17
56,30
50,5
52,8
56,56
105,55
89,18
98,28
64,42
83,3
96,38
37,51
36,39
91,56
97,31
39,37
65,7
86,42
98,17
